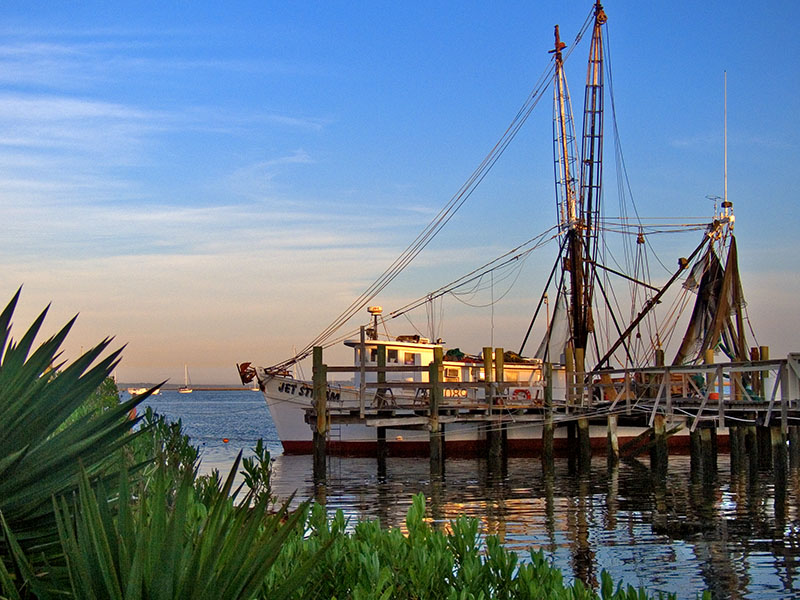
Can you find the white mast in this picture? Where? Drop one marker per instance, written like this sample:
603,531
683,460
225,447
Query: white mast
725,205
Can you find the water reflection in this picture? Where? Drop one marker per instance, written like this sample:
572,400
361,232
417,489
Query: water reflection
734,532
728,525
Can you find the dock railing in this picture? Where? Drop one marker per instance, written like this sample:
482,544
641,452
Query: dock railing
713,390
707,392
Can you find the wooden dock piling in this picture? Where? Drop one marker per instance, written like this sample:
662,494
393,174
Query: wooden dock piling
709,456
547,427
794,447
436,437
612,441
492,430
320,396
737,450
659,455
764,446
584,441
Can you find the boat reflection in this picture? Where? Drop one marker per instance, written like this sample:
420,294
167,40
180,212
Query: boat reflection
733,531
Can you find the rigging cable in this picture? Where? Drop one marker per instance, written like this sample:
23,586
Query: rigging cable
442,217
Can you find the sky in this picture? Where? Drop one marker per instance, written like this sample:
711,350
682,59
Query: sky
213,183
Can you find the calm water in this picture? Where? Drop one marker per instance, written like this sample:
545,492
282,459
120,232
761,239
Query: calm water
734,533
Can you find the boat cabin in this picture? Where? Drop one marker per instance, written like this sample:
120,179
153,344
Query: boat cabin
418,351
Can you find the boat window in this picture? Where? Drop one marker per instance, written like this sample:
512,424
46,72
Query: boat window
410,358
391,356
373,355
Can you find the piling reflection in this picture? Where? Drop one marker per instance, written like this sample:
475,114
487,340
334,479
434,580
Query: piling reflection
729,525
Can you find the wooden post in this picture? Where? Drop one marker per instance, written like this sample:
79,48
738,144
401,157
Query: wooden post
547,426
778,443
362,386
779,473
714,447
612,456
656,380
786,398
569,366
488,377
755,355
436,441
584,442
751,449
320,397
696,453
381,363
794,447
763,353
580,373
382,452
709,459
499,365
382,449
659,357
659,453
764,445
708,359
737,448
494,434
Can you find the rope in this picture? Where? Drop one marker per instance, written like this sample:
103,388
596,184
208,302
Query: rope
445,214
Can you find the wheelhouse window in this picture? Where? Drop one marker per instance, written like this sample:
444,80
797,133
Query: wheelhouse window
391,356
410,358
451,374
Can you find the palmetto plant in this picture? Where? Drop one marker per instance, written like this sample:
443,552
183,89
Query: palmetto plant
161,547
40,457
75,523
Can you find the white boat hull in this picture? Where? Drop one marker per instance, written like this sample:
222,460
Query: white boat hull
288,400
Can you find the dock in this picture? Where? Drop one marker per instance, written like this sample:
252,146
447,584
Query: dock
756,404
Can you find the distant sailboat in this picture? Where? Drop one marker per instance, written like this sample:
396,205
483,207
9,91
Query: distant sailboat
186,388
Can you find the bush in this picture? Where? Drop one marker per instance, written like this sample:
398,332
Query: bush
80,516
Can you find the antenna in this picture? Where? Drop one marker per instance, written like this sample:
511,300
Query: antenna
725,141
726,205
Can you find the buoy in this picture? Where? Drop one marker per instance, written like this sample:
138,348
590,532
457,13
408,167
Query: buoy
225,440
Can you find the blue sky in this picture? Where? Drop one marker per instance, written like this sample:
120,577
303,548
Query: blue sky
213,183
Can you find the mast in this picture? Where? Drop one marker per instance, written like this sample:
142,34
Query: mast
579,214
565,188
591,169
564,138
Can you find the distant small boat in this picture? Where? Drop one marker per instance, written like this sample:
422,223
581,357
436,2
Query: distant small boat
186,388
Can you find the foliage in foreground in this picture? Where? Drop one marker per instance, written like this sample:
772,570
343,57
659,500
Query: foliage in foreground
44,438
375,563
91,507
167,545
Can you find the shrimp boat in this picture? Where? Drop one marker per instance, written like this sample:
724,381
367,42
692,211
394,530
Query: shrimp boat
593,352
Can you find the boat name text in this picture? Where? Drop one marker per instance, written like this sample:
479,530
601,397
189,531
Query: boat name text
305,391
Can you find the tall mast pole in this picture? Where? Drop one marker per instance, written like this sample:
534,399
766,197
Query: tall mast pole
725,204
591,166
569,212
566,189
